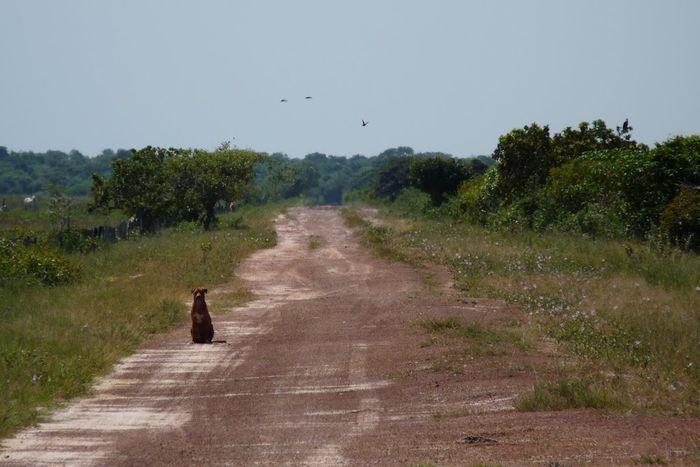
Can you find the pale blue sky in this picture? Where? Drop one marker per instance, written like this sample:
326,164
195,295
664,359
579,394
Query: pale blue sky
435,75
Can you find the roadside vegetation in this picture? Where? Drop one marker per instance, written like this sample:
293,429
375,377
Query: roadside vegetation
55,338
72,304
629,311
592,234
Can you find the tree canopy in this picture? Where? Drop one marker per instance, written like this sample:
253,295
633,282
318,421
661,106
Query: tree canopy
171,185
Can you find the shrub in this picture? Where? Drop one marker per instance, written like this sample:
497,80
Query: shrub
630,187
646,181
478,196
680,220
596,220
525,156
438,176
28,264
392,177
412,201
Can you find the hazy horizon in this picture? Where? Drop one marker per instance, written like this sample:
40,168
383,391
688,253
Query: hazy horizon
449,76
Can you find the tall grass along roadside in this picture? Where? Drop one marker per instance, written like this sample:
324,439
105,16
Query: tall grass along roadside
55,339
629,311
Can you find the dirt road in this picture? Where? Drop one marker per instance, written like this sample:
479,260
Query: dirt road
324,367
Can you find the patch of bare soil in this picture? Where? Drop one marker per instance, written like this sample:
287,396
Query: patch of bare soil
324,367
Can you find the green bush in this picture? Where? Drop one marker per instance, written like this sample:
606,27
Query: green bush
478,196
438,176
680,220
596,220
412,201
620,192
524,158
509,218
645,181
32,263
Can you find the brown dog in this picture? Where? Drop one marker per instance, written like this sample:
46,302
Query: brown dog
202,329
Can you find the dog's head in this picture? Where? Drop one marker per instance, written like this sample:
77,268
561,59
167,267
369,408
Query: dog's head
198,292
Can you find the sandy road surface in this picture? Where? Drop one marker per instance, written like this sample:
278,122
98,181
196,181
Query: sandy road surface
324,368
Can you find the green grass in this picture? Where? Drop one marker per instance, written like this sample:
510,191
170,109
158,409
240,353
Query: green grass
17,217
55,340
475,340
571,393
650,459
315,242
631,309
477,335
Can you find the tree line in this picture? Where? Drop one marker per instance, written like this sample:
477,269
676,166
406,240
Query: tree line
167,186
589,179
27,172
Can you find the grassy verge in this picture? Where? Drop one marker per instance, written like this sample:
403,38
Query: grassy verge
17,217
630,312
55,340
477,340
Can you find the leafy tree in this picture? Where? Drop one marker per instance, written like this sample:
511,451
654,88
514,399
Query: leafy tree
438,176
139,186
524,158
572,143
637,184
171,185
476,167
477,196
392,177
390,153
30,172
680,220
201,179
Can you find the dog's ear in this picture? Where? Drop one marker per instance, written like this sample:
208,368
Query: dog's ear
193,291
205,290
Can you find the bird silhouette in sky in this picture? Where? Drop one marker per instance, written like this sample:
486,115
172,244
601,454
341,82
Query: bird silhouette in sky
364,123
626,125
308,98
283,100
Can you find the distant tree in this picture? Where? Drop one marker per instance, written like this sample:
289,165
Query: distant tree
476,167
524,157
572,143
486,160
210,177
438,176
392,177
139,186
170,185
394,152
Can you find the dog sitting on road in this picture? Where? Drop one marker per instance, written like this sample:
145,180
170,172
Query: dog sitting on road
202,329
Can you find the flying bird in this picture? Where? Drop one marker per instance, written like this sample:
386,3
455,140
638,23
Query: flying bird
283,100
364,123
308,98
